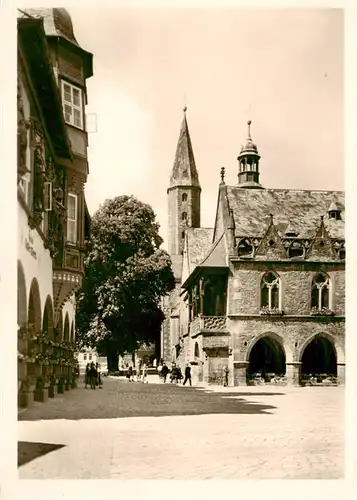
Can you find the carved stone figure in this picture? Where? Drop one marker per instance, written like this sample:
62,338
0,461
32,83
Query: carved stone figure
22,128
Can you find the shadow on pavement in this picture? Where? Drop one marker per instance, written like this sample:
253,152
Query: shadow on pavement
121,399
27,451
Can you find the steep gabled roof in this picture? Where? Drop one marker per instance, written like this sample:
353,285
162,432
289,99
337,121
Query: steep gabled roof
215,256
300,209
184,171
218,254
199,241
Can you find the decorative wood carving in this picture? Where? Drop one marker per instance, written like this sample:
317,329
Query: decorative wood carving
22,128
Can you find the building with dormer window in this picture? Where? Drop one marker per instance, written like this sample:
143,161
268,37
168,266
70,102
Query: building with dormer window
262,292
53,220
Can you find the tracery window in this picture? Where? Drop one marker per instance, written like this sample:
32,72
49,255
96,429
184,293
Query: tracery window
184,215
270,288
184,197
320,292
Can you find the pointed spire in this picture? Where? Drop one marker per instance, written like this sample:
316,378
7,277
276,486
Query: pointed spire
249,122
184,172
223,172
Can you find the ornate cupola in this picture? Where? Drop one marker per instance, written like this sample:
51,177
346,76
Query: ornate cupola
248,164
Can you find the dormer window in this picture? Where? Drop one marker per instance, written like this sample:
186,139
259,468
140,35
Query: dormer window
72,104
245,248
333,211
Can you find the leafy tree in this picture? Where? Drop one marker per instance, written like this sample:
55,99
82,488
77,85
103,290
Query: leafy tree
126,275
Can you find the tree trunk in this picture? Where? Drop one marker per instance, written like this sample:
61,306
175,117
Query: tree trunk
112,360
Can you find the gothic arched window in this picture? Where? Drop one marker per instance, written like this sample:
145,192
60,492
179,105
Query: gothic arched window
184,215
320,292
184,197
270,296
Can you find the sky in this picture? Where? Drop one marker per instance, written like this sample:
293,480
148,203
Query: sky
281,68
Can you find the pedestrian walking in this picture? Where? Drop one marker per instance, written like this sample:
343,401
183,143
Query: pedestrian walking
174,374
86,376
92,375
226,371
179,374
144,374
188,374
164,372
99,378
130,374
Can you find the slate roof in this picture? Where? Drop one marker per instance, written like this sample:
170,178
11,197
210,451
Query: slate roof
199,242
184,171
56,21
217,256
298,210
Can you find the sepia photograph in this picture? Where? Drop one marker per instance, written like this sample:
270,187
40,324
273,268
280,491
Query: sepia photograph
180,243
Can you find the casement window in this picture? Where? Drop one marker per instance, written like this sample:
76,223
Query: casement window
270,291
84,357
72,217
72,104
321,292
25,187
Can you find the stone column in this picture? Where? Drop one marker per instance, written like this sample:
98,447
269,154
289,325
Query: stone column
240,372
206,369
341,368
293,373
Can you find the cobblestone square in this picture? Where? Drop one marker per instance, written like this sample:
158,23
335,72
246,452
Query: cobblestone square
161,431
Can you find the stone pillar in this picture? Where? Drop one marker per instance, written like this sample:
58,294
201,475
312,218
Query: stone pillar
293,373
240,372
206,369
341,368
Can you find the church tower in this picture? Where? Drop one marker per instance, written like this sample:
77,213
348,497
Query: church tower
184,210
184,193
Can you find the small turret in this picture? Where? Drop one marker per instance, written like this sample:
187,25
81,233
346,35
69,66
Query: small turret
248,164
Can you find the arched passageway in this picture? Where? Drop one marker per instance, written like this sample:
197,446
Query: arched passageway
47,323
319,357
21,296
59,327
34,308
66,328
267,357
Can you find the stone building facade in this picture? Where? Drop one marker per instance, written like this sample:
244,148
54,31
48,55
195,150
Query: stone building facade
261,294
53,220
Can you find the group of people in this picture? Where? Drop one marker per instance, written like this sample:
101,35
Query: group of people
175,374
93,376
141,373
